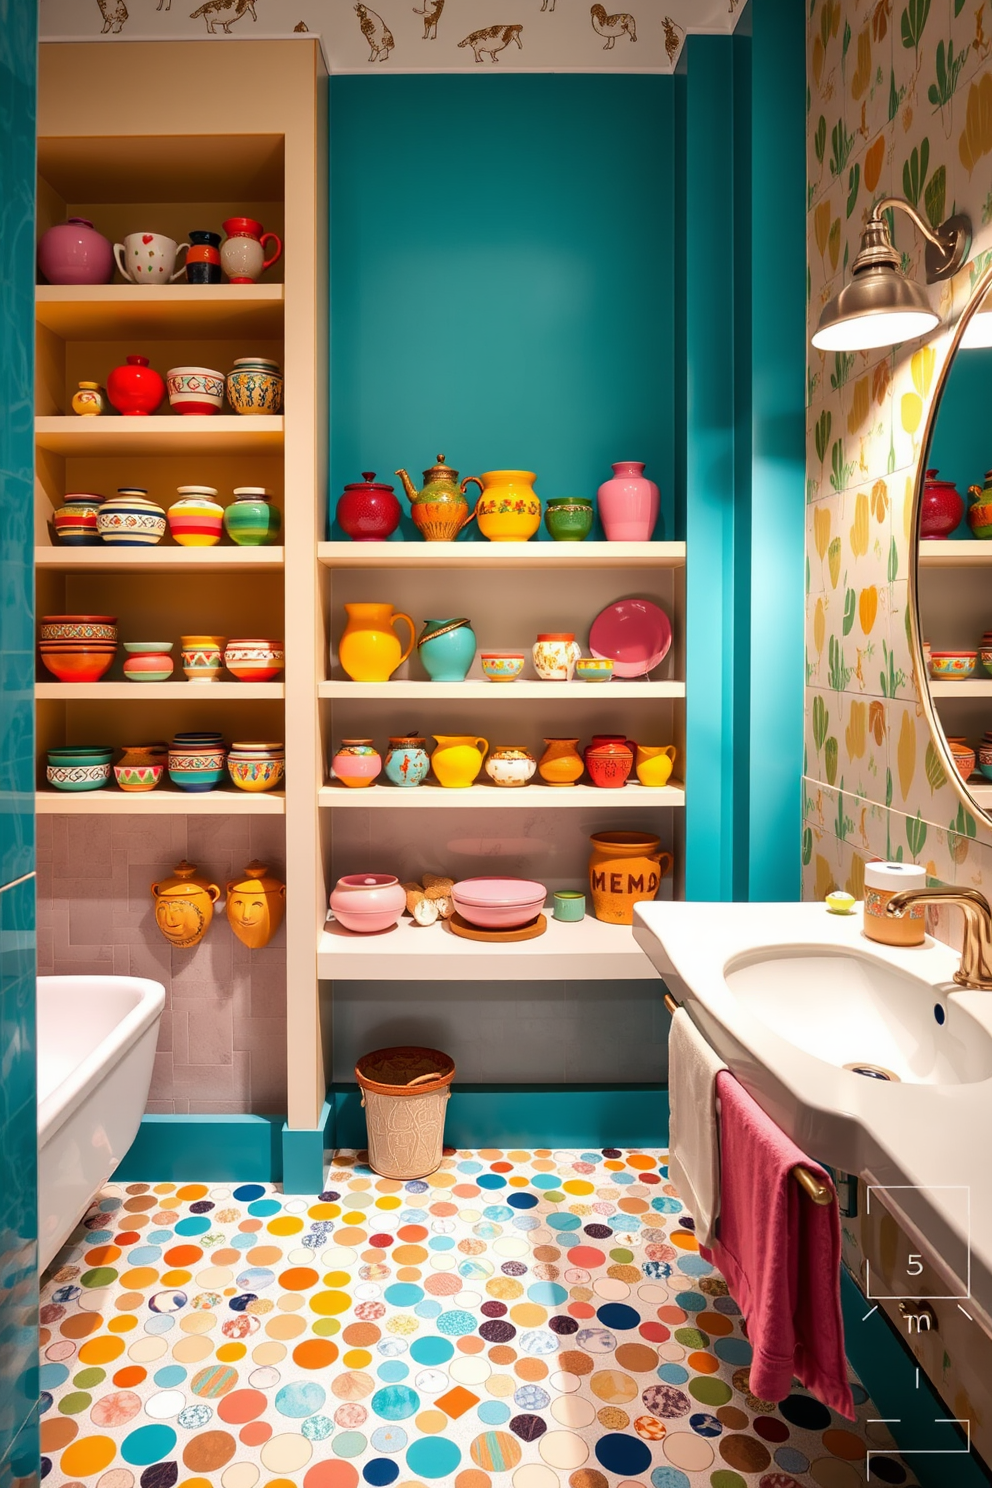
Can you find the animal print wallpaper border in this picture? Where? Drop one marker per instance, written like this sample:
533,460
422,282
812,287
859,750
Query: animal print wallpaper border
402,36
900,103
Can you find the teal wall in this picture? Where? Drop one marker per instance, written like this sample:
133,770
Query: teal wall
502,255
18,1122
961,448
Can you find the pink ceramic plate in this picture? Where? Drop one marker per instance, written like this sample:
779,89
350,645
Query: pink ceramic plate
634,634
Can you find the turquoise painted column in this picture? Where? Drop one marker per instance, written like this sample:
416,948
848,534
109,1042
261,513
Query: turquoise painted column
778,456
18,1115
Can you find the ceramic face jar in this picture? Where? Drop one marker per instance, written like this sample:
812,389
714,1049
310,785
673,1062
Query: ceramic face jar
510,765
256,903
407,761
184,905
555,654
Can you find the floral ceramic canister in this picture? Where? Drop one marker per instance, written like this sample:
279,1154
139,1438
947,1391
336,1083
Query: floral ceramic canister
196,520
184,905
75,520
510,765
252,520
89,400
447,649
629,504
555,654
407,760
255,386
130,520
509,508
561,763
357,762
256,903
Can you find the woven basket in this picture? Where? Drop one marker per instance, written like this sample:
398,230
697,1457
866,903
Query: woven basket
404,1093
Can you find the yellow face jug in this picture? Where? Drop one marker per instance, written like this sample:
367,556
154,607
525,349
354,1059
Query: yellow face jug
184,905
654,763
458,758
255,906
370,649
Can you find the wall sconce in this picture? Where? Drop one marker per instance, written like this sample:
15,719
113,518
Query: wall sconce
880,306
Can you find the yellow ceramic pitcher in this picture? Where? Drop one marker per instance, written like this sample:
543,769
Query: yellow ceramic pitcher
370,650
509,509
458,758
654,763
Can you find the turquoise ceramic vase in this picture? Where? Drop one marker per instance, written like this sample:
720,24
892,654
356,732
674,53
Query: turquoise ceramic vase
447,649
407,761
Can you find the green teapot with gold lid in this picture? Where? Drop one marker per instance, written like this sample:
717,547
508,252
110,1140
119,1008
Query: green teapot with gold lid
440,510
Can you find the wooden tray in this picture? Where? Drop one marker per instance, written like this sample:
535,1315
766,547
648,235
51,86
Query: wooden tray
530,931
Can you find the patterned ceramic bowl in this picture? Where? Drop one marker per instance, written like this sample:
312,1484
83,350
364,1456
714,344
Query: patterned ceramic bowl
964,760
138,777
81,629
78,777
84,665
502,666
255,386
197,770
952,666
255,774
594,668
197,390
255,660
202,657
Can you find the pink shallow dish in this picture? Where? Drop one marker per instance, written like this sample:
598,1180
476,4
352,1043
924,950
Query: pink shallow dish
632,633
498,903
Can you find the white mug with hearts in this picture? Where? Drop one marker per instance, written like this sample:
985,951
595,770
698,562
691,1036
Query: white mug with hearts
148,258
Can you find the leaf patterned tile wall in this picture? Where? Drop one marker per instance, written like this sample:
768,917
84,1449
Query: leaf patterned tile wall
900,103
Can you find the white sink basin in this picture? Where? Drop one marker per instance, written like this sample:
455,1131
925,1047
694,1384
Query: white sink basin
852,1011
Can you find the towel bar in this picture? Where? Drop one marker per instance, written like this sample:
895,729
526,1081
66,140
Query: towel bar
670,1003
818,1192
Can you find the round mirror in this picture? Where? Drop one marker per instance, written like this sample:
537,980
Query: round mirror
953,578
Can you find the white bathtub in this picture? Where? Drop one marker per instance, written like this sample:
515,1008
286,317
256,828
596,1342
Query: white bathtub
96,1047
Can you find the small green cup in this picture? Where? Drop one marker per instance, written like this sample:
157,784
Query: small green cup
570,905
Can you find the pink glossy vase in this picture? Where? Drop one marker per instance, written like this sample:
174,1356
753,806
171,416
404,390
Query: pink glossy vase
629,504
941,507
73,252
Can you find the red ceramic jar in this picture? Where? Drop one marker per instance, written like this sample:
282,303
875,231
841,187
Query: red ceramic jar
368,511
941,507
135,389
609,761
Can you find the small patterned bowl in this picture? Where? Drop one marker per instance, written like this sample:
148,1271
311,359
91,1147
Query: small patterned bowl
138,777
964,760
196,390
502,666
594,668
255,387
78,777
952,666
199,770
985,657
256,774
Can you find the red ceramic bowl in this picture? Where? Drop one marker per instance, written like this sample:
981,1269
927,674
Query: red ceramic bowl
77,666
498,903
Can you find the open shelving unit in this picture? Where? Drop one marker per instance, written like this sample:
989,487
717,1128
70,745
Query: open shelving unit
145,152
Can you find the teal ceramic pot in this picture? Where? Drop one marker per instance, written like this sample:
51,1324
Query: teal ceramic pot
251,520
447,649
194,768
407,761
569,518
570,905
79,777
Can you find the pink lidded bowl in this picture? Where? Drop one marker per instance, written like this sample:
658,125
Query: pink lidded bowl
498,903
368,902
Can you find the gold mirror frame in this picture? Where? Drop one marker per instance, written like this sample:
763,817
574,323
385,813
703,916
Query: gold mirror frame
937,735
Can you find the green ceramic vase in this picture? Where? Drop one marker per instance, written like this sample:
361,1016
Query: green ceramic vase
251,520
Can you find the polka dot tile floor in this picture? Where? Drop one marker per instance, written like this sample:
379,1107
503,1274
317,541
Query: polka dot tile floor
517,1320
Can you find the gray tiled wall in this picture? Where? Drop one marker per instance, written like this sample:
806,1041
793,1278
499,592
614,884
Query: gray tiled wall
222,1045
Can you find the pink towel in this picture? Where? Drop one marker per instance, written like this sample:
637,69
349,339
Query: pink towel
780,1255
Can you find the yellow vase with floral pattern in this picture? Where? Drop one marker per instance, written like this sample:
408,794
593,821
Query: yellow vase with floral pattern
509,508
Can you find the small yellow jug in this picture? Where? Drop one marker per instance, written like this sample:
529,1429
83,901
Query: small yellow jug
654,763
509,509
458,758
370,650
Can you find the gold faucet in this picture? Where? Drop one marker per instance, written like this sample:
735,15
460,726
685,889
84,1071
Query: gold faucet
976,951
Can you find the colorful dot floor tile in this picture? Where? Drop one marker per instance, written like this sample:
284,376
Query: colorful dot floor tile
517,1320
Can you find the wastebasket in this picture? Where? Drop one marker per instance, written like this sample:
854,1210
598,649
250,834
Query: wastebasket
404,1092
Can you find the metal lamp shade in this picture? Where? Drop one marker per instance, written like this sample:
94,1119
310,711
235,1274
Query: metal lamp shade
880,307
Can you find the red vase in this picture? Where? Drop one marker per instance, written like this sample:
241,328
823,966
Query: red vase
135,389
368,511
609,760
941,508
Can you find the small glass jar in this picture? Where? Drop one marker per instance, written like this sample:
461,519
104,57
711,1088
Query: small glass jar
882,880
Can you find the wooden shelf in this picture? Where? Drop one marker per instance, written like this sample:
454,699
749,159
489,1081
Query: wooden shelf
157,692
165,434
586,951
112,312
950,554
105,558
475,690
532,797
164,800
974,688
464,555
